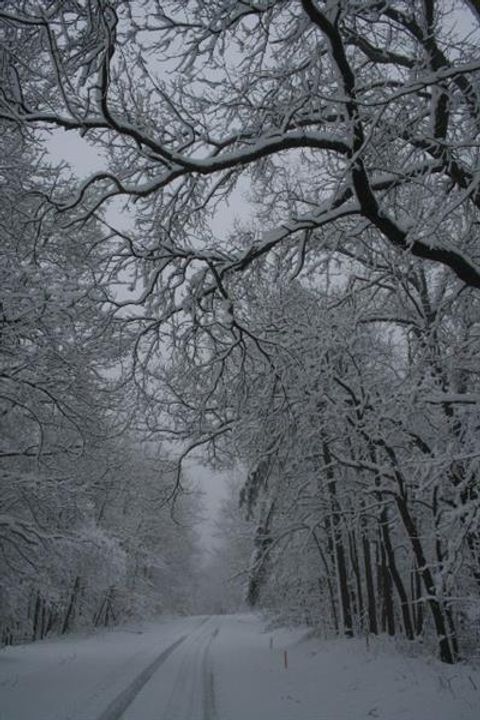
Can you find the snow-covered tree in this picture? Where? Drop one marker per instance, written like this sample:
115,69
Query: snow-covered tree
355,116
329,344
85,530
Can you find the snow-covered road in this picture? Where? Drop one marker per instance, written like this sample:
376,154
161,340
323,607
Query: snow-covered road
184,687
227,668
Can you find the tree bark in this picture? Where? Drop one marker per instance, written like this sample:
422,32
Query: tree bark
329,583
36,616
71,606
446,642
338,545
395,575
356,571
371,600
388,614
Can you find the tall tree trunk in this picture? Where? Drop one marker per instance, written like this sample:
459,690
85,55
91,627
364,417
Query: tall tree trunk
446,642
43,627
71,606
328,579
395,575
440,561
340,557
371,601
36,616
357,598
417,600
259,570
388,614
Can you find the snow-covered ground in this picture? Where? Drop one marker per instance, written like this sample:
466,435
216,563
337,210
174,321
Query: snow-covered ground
227,668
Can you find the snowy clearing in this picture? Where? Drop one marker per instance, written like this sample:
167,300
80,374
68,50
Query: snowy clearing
227,668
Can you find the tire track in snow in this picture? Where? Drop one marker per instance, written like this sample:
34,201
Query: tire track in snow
209,709
192,696
118,706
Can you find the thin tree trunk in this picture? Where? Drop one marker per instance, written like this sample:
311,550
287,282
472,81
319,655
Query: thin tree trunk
388,616
440,561
338,545
71,605
43,627
36,616
356,571
329,582
446,642
371,603
259,570
395,575
420,608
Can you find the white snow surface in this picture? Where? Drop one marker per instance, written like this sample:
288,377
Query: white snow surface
228,668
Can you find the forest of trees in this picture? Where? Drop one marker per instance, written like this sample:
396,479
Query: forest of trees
86,535
328,344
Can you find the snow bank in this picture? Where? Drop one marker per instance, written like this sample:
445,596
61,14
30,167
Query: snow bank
333,680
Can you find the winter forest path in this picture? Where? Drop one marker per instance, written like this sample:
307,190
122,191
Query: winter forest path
228,668
183,688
